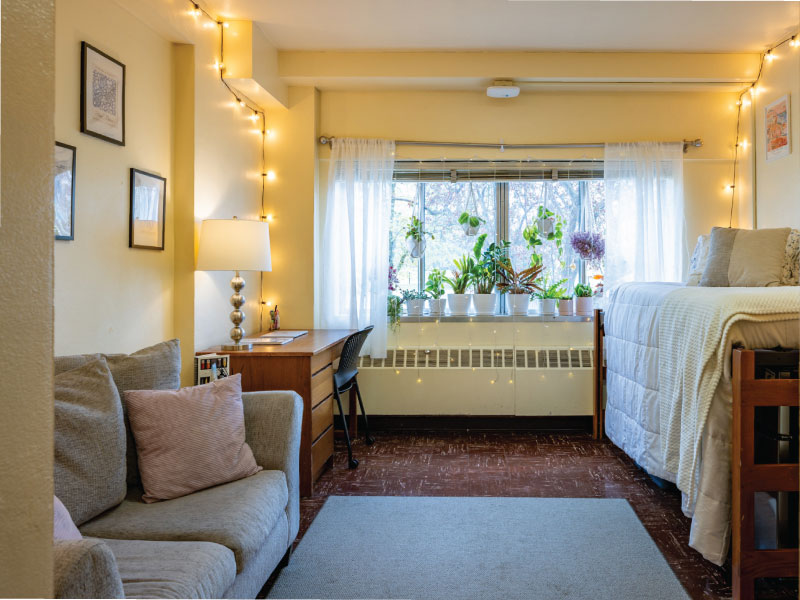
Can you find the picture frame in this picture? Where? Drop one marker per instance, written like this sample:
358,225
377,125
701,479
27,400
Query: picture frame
777,128
148,210
102,95
64,191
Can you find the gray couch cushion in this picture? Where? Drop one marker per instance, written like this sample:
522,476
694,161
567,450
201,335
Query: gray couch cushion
85,569
89,440
715,273
156,367
238,515
173,569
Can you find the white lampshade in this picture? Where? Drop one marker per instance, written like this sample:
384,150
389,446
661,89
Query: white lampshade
234,245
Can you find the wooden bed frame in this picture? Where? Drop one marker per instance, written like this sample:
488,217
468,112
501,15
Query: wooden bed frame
747,477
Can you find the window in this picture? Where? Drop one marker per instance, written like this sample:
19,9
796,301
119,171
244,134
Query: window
507,201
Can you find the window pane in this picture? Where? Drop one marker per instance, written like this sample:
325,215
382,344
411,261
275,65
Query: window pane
444,203
404,197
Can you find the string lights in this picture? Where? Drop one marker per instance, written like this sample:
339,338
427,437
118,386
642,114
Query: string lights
744,100
241,101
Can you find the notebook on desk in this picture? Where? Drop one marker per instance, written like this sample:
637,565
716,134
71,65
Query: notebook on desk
280,333
268,341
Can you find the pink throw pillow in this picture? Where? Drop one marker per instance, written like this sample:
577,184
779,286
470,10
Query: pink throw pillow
189,439
63,525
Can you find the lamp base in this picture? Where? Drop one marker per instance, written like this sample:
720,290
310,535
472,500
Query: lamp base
235,347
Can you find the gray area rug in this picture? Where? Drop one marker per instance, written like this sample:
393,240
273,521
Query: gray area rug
423,547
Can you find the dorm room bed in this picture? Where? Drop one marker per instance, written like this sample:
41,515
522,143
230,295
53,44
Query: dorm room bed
668,385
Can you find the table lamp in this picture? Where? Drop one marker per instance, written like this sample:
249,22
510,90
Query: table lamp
234,245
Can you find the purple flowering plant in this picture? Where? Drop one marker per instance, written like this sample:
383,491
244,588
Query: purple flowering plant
588,245
394,281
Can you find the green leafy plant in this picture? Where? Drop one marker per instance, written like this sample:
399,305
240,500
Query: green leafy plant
484,275
414,229
394,308
463,274
435,284
413,295
535,238
517,282
548,290
583,291
469,220
565,296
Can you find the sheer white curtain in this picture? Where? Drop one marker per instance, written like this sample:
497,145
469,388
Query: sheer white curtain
645,227
355,243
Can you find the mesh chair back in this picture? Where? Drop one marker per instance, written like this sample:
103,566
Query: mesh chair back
348,361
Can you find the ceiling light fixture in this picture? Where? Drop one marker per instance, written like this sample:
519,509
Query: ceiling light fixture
502,88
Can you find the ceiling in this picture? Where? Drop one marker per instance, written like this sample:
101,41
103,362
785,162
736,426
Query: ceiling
517,24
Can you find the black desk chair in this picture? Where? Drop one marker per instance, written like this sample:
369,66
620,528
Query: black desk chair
344,379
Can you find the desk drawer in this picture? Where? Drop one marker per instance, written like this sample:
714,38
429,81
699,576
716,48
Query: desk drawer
321,417
321,451
321,386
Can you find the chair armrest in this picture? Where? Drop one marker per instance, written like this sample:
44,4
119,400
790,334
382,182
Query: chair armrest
85,569
272,422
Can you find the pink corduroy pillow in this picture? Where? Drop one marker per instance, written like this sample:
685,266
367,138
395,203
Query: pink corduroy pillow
189,439
63,525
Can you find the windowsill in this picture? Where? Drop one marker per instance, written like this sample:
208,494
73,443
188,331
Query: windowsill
531,317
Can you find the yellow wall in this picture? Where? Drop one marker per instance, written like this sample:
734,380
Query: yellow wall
109,297
778,181
26,295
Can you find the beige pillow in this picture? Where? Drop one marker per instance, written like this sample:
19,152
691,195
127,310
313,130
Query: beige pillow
190,439
791,263
699,259
745,257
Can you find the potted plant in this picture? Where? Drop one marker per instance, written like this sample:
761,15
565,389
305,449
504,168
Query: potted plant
549,293
415,302
589,246
583,300
484,276
535,236
416,237
470,223
394,308
519,285
459,300
565,304
435,288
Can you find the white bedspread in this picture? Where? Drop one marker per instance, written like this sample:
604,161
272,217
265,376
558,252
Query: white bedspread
633,410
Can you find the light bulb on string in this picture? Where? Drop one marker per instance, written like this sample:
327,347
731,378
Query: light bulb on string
794,42
769,56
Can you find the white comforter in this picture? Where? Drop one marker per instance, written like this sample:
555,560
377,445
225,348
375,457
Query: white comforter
633,409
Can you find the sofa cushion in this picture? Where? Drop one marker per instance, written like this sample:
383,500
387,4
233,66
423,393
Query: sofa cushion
173,569
189,439
89,441
156,367
238,515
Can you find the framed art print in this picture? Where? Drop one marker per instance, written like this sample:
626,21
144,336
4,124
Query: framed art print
777,128
64,191
102,95
148,210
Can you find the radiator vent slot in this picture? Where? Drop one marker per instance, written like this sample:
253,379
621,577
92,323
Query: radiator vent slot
482,358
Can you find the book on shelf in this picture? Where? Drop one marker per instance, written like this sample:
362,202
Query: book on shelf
210,367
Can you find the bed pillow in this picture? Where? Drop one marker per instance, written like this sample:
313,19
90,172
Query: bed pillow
791,264
63,526
699,259
190,439
745,257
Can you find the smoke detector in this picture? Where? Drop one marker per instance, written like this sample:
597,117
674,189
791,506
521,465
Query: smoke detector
502,88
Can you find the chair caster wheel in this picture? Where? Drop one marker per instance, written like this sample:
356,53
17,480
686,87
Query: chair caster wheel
353,463
369,441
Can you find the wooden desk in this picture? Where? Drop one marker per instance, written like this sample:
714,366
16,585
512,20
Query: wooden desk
305,366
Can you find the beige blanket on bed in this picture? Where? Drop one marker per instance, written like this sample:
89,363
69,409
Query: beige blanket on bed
693,334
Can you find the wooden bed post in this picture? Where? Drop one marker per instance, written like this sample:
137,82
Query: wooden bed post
598,416
747,477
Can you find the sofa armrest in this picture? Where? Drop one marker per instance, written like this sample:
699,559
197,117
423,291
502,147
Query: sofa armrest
272,422
85,569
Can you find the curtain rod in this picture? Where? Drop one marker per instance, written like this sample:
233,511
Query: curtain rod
696,143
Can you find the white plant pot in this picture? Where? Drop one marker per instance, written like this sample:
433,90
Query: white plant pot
437,306
548,306
415,247
546,226
565,307
415,307
471,231
518,304
459,303
485,304
584,305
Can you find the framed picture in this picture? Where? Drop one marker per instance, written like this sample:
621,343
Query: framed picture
102,95
64,191
148,209
777,128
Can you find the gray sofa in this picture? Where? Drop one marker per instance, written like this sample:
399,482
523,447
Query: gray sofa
224,541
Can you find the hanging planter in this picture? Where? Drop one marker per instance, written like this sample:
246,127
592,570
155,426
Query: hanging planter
416,247
416,237
546,225
469,220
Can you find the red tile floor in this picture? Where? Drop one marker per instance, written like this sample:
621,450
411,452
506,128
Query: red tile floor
524,464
